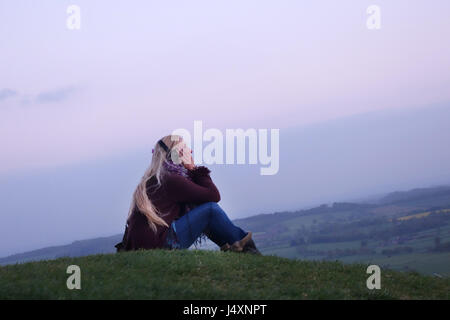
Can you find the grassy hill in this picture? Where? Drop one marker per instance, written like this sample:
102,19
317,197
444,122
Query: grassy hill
200,274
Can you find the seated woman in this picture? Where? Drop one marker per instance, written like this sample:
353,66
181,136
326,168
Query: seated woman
175,205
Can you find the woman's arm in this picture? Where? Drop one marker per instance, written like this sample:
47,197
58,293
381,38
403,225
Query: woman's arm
201,189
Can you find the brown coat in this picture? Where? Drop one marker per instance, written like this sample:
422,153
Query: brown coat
175,192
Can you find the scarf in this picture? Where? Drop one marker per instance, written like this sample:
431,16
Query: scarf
179,169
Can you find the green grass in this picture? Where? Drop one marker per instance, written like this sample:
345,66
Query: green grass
199,274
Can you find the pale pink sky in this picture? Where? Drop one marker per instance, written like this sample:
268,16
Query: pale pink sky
137,70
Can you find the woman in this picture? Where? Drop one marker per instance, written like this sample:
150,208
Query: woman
175,205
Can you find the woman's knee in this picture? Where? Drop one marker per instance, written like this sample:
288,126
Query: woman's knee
215,209
208,209
214,206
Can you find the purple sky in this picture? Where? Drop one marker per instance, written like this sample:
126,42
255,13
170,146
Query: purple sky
136,70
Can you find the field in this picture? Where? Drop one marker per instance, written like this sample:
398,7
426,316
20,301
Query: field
200,274
402,235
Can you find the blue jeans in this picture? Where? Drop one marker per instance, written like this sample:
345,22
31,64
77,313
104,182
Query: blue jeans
210,219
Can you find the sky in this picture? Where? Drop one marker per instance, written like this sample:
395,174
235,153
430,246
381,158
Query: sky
136,70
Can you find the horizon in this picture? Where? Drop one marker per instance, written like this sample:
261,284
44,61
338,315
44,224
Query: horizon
251,216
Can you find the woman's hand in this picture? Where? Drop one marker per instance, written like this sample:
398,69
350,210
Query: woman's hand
186,158
189,165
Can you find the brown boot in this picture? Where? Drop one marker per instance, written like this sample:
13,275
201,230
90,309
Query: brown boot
239,245
250,247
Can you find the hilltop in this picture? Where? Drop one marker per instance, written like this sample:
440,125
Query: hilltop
200,274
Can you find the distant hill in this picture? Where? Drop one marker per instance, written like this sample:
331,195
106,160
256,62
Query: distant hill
75,249
349,232
428,197
196,274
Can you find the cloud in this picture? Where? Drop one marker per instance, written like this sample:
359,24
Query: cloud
55,95
7,93
50,96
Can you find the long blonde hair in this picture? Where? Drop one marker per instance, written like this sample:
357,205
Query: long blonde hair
156,169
